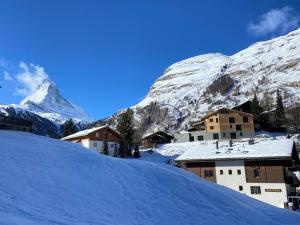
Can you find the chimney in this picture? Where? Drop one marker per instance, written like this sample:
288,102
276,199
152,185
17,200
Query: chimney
217,144
230,143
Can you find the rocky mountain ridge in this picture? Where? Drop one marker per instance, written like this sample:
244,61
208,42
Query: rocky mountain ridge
190,88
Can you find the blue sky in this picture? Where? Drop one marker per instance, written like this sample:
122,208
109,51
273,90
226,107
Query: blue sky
105,55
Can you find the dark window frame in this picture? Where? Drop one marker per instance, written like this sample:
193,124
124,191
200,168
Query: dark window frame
256,173
231,120
216,136
255,190
208,173
238,127
200,138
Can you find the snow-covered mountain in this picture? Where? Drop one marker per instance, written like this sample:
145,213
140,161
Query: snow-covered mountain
47,181
197,85
47,102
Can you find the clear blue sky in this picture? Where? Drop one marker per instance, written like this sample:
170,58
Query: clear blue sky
104,55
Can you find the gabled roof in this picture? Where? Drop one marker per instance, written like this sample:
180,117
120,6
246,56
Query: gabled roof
84,133
266,149
158,133
227,109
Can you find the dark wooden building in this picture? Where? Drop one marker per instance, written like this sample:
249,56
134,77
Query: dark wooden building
157,138
16,124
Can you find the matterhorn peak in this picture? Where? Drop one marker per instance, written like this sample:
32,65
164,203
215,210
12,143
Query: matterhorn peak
47,101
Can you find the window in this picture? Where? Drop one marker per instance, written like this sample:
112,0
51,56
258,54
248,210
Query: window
245,119
256,173
215,136
239,172
224,134
255,190
211,120
217,120
231,120
208,173
230,126
211,127
233,135
230,172
192,138
97,134
94,144
200,138
240,188
241,134
238,127
221,172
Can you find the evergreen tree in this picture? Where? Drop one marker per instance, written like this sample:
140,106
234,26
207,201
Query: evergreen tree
105,148
267,100
126,129
69,128
255,109
280,117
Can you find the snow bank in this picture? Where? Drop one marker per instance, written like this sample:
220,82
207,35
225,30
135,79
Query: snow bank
46,181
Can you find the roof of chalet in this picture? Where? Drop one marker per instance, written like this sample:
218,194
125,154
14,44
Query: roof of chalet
84,133
218,111
159,134
281,148
229,110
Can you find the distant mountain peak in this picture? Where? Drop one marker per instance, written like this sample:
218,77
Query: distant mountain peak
47,102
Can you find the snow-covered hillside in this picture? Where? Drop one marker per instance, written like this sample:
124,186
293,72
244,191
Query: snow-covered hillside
46,181
47,102
188,85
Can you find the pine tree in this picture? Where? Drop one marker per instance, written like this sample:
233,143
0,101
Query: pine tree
280,117
267,100
126,129
69,128
255,109
105,148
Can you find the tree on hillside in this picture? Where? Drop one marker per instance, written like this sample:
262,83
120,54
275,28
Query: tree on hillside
255,109
293,120
280,117
69,128
105,148
126,129
267,100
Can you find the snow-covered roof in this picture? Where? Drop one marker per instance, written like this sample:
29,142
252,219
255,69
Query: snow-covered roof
157,133
240,150
85,132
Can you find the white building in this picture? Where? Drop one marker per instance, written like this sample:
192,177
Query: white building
94,138
262,170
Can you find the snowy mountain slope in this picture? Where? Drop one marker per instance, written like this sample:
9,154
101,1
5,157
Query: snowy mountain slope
54,182
47,102
188,85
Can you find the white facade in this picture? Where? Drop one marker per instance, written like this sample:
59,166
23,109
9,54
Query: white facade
98,145
232,174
